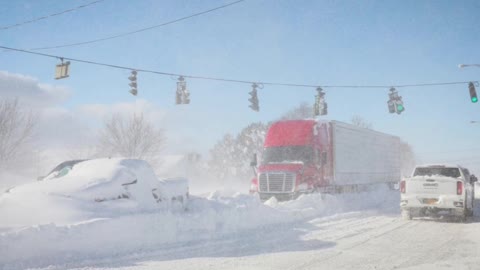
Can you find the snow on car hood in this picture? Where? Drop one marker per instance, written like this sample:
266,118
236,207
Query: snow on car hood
108,185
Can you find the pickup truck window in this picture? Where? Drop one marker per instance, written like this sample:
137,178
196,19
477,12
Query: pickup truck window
428,171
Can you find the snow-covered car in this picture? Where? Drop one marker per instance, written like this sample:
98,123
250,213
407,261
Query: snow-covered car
172,189
437,189
110,186
61,169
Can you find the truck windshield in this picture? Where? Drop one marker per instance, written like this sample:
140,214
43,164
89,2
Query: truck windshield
288,154
449,172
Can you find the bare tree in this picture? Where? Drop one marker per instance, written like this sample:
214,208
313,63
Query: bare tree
231,156
304,110
132,137
360,122
16,130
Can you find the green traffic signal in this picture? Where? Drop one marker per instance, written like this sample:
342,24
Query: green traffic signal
473,92
400,108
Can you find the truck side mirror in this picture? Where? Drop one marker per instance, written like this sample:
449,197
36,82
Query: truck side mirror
254,162
473,179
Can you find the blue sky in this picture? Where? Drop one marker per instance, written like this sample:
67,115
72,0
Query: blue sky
311,42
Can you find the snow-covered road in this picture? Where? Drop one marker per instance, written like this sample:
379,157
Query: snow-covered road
337,232
347,241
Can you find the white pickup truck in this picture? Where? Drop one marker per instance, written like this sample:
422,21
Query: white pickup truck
437,190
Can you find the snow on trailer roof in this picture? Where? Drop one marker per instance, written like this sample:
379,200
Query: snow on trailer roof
352,126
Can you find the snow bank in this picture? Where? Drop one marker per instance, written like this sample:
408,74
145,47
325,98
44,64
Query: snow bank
206,218
9,179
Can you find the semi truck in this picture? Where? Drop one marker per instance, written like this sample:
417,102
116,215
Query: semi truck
305,156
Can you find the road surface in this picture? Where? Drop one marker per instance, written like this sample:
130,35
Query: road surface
353,240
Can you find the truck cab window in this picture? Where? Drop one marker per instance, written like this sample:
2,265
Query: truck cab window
281,154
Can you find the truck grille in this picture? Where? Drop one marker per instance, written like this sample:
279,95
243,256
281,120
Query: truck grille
276,182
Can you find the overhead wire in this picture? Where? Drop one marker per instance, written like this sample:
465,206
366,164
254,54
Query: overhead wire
51,15
449,152
226,79
139,30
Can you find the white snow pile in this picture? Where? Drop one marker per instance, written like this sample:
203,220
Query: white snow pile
92,188
107,236
9,179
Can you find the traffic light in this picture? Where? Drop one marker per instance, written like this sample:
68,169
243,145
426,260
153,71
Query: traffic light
473,92
62,70
182,94
186,96
391,106
324,110
400,108
254,98
178,97
393,95
133,83
320,107
395,102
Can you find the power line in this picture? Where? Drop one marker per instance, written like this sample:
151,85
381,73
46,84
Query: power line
229,80
449,152
51,15
138,30
463,160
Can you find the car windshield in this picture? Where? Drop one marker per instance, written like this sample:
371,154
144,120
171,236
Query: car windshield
429,171
285,154
65,164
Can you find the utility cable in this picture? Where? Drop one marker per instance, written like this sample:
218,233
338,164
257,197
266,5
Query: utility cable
230,80
51,15
138,30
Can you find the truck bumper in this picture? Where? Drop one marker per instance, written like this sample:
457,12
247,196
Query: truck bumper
420,203
278,196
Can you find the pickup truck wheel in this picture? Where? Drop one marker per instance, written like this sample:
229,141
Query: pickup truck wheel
470,212
463,217
406,215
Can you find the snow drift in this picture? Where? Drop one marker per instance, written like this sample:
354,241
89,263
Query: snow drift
206,219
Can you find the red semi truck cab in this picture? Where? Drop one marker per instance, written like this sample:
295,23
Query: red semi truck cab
295,159
303,156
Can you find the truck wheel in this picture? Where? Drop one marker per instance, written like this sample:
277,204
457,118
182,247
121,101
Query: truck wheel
406,215
470,212
463,217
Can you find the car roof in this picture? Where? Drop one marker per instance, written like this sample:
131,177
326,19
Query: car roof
440,166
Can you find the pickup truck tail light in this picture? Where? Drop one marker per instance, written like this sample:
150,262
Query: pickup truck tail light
403,186
459,188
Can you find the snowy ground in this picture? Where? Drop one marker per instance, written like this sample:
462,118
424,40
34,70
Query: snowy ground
362,231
